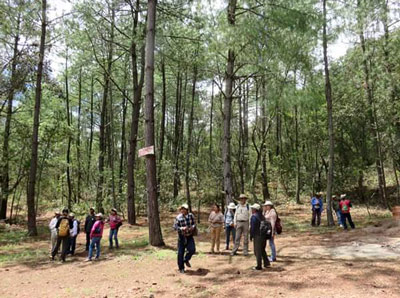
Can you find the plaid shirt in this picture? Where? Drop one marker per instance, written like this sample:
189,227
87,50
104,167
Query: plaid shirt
182,221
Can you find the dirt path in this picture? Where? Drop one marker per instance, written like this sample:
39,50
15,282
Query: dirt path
359,263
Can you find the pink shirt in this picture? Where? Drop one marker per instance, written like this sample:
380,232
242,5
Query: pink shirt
114,220
100,224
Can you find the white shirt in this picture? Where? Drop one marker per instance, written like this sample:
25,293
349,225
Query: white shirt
74,231
52,224
242,213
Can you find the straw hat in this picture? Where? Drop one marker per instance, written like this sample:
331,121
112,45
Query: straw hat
242,196
231,206
268,203
72,214
255,206
57,212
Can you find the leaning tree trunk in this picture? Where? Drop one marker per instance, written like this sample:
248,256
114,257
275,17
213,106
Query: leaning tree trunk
155,235
328,96
226,145
5,175
30,196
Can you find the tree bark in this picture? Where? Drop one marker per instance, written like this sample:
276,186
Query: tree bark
189,144
68,155
226,146
163,114
177,133
137,96
329,105
78,138
155,235
5,175
90,146
30,197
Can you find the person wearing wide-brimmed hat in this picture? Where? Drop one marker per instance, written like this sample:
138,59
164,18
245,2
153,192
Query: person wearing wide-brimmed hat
259,240
89,222
270,215
316,208
336,208
73,234
115,221
95,236
53,230
241,222
229,224
185,225
345,205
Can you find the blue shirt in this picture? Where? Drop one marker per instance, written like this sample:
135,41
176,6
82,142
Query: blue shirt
229,216
315,202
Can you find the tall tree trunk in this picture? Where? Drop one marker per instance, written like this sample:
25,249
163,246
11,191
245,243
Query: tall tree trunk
90,146
5,175
103,116
78,138
189,144
374,126
241,98
211,124
68,156
229,78
328,96
137,96
263,149
155,235
177,133
30,196
298,181
163,114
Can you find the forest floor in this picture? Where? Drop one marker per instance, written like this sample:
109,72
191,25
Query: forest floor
312,262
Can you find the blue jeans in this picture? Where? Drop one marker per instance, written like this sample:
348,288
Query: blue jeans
113,233
273,249
339,217
188,244
228,231
95,242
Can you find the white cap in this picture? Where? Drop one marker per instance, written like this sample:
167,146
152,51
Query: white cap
72,214
342,196
185,206
99,215
231,206
255,206
268,203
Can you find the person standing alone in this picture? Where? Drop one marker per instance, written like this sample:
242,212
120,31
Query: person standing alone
186,226
241,222
345,206
115,222
316,208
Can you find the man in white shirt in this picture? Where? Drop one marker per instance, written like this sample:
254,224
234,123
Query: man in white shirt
53,230
241,222
73,233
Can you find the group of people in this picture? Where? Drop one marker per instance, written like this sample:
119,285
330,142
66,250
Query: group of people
239,221
65,228
341,205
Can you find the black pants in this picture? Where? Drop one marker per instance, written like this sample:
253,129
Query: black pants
87,241
260,244
185,243
348,217
65,247
316,215
72,245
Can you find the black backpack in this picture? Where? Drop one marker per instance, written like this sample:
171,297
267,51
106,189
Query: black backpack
265,229
79,226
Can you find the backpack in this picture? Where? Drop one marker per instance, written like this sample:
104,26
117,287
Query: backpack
265,229
63,228
278,224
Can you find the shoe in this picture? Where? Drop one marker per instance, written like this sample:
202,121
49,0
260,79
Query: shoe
182,271
256,268
88,260
272,259
188,264
233,253
246,254
52,258
226,248
267,266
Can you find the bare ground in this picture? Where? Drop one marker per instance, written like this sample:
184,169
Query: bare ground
312,262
